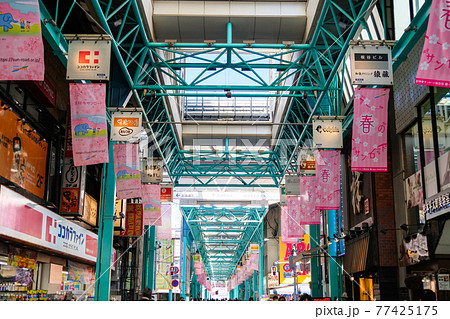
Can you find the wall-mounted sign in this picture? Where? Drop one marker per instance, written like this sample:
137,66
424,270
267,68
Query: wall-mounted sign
292,185
89,57
327,133
125,125
134,220
152,170
437,205
306,161
73,183
371,65
166,193
23,220
23,153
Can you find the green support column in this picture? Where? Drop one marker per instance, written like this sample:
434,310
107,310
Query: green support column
261,268
105,230
316,269
246,292
170,295
184,274
255,284
334,261
149,257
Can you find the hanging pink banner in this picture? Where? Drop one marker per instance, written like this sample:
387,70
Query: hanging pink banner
127,170
290,219
165,230
22,50
434,66
308,213
151,201
88,120
369,133
328,179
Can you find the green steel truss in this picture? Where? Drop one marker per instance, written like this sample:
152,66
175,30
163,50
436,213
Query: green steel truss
307,76
222,235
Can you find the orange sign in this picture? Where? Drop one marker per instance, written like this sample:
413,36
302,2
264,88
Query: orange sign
126,122
22,152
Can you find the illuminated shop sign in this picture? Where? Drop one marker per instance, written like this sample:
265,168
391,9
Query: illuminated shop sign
437,205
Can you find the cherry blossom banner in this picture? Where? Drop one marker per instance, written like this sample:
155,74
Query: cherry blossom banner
328,173
434,65
309,215
165,230
369,133
290,219
22,50
151,202
88,120
127,170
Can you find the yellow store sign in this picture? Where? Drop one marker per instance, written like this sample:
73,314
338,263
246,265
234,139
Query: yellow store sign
285,250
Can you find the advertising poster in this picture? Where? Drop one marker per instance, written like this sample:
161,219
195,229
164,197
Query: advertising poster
88,120
23,153
164,260
22,50
308,213
414,190
134,220
81,273
306,161
328,179
165,230
369,133
152,204
433,65
127,170
444,171
285,249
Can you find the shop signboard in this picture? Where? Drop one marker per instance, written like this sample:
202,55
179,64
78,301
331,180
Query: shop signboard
292,185
23,220
23,153
285,249
73,184
166,193
306,161
90,209
151,170
22,53
444,281
371,65
88,57
125,126
327,133
254,249
134,220
272,280
437,205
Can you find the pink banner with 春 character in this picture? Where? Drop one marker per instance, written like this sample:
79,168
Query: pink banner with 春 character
328,179
151,202
290,219
434,65
127,171
309,215
88,120
22,49
369,133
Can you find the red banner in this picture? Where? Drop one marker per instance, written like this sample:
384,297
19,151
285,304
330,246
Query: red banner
127,170
133,223
309,215
369,133
328,174
152,204
88,119
434,67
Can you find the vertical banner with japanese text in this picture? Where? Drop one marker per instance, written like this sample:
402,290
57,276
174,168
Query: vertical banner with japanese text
308,213
328,181
22,53
165,230
127,171
290,219
88,119
151,200
369,133
133,224
434,67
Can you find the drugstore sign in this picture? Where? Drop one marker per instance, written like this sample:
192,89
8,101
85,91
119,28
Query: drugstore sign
21,219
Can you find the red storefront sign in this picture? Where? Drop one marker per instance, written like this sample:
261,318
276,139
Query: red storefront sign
134,221
166,193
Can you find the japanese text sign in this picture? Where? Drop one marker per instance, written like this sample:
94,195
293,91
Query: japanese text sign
125,125
328,179
371,65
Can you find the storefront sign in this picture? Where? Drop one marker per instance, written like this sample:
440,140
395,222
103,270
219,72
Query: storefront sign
133,224
23,220
327,133
22,53
125,125
371,65
88,121
73,184
90,208
127,170
272,280
23,153
444,281
152,170
369,133
89,57
166,193
285,250
254,249
292,185
437,205
306,161
433,64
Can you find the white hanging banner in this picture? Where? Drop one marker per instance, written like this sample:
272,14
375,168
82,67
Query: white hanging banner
125,125
327,133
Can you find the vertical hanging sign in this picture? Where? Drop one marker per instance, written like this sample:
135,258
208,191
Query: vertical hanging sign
88,119
127,170
434,63
165,230
290,219
328,173
309,215
22,53
151,201
133,224
369,133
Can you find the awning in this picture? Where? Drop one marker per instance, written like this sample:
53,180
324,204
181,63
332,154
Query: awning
356,254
